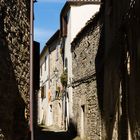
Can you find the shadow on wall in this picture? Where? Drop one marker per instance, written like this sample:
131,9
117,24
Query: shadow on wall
108,80
112,71
12,106
99,64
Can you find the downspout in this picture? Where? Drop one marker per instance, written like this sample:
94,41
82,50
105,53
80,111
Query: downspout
31,70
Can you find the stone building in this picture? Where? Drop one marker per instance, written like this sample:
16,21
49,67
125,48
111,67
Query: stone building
87,116
50,77
56,69
14,68
73,17
102,92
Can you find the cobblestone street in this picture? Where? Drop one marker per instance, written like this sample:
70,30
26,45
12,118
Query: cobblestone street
54,133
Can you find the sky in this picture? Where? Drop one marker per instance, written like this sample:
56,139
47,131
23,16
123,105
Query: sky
47,19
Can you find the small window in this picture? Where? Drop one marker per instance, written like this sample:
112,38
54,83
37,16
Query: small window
45,62
41,70
50,108
66,63
43,92
65,25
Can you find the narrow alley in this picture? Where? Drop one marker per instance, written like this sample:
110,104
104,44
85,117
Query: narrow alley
89,73
69,69
55,133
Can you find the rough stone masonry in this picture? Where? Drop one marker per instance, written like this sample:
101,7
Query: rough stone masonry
85,98
14,68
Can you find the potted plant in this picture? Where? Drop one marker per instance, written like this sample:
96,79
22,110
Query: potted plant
64,78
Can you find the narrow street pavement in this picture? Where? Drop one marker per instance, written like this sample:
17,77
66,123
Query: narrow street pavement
54,133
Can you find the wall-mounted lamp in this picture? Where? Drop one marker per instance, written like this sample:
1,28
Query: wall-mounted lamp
56,71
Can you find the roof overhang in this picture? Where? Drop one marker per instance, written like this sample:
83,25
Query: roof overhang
54,37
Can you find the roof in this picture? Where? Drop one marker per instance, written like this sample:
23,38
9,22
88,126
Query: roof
55,36
90,23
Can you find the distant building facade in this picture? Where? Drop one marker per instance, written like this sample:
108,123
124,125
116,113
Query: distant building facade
55,69
101,90
43,100
50,95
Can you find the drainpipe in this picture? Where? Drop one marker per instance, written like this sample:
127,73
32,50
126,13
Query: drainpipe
49,67
31,69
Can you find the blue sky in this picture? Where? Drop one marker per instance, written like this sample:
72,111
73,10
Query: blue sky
47,19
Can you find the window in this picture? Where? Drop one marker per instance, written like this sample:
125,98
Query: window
41,70
43,92
66,63
45,62
64,25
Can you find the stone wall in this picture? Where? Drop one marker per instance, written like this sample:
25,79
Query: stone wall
14,68
56,69
56,64
86,105
117,72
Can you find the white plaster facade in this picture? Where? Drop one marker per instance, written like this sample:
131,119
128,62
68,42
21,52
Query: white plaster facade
56,69
77,16
44,111
51,68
